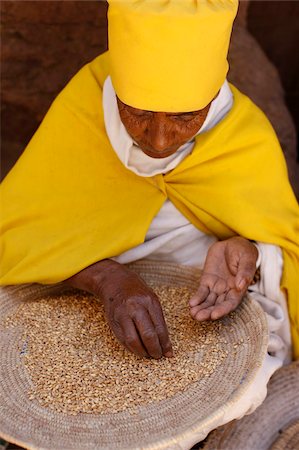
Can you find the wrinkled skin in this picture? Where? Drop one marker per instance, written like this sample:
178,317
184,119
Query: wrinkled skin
134,312
132,309
228,271
160,134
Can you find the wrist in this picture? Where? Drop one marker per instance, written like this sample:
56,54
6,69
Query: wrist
94,278
245,241
248,246
101,275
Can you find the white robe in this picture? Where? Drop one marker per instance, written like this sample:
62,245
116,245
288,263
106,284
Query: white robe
171,237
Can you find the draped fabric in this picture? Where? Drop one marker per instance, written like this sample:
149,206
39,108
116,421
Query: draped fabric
70,202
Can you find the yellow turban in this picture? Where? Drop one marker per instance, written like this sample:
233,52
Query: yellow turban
169,55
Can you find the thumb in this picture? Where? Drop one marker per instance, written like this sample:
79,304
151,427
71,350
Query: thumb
245,273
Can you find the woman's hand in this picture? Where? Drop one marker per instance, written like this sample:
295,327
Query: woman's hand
228,271
132,309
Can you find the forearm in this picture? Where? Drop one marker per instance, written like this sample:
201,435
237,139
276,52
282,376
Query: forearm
93,278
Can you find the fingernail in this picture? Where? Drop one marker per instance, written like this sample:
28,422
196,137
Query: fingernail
169,354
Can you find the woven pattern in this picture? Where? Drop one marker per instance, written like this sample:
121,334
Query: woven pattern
288,439
270,422
160,425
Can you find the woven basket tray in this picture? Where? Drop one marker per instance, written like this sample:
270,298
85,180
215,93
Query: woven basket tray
288,437
274,425
185,417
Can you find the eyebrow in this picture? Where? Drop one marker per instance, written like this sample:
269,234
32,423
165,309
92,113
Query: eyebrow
168,113
190,113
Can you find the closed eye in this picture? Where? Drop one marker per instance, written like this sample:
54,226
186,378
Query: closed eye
140,113
186,117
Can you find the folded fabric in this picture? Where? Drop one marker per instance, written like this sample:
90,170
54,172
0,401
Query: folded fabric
70,202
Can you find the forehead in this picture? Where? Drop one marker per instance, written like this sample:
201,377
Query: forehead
137,110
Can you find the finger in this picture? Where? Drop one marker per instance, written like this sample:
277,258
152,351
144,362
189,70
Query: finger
206,304
131,339
147,333
210,301
220,308
234,297
204,314
245,274
230,303
118,331
200,296
157,317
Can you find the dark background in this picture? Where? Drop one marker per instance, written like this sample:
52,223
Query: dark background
44,43
275,24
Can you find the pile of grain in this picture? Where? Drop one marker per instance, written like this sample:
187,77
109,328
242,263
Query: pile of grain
76,364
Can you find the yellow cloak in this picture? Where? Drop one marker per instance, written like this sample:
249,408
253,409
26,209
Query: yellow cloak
69,201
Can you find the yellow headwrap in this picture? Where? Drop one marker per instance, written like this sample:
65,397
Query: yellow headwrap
70,202
169,55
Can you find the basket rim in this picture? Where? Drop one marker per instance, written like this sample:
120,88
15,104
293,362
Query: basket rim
147,265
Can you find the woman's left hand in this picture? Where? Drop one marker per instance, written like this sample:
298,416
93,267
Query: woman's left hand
228,271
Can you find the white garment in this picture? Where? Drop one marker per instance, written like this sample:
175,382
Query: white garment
131,155
171,237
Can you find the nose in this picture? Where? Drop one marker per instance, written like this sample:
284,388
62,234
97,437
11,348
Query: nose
159,134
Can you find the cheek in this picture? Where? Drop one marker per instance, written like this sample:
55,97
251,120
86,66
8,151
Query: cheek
177,131
186,130
134,126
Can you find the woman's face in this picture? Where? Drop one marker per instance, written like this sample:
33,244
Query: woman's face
160,134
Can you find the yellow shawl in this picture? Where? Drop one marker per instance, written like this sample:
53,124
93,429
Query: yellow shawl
70,202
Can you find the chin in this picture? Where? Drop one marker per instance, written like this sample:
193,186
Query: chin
158,155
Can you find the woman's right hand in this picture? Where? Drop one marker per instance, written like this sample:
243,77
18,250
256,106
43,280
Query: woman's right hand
132,309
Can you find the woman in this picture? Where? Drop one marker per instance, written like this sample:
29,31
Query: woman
135,313
149,152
